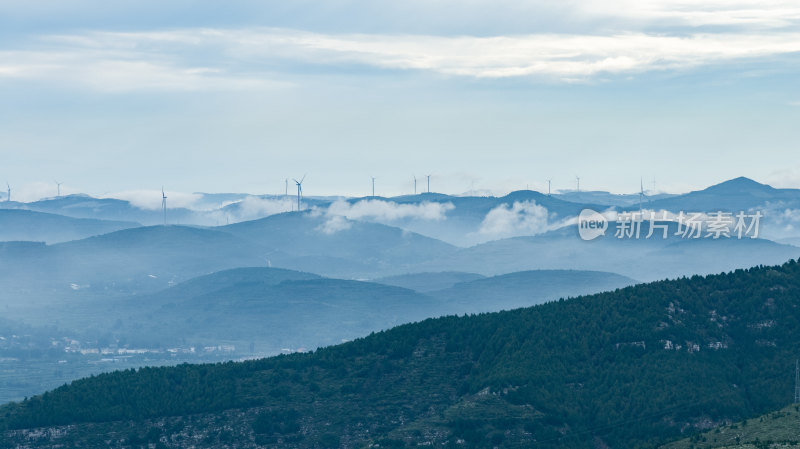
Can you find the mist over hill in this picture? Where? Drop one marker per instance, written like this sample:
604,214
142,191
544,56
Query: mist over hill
458,220
123,295
25,225
675,357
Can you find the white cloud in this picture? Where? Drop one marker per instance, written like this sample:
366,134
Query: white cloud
388,211
780,221
521,218
334,224
121,70
746,13
252,208
566,57
338,214
247,58
787,177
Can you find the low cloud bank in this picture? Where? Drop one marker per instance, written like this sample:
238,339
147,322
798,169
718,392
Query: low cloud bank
253,208
387,211
334,224
518,219
340,212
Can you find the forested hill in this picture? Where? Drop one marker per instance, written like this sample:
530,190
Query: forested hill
631,368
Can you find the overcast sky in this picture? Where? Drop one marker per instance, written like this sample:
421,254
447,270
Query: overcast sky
485,95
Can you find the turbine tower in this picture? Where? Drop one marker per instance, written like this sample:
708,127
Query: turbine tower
299,190
415,184
373,186
548,187
8,198
641,193
164,204
429,183
578,178
58,189
287,187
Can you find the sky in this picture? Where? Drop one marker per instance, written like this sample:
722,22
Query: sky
483,95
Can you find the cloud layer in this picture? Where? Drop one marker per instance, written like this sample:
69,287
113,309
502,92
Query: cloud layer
518,219
257,58
338,214
389,211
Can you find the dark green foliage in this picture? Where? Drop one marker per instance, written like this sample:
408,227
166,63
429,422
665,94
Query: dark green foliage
329,441
277,421
583,372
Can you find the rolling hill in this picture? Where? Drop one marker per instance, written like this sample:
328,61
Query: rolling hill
147,259
738,194
463,224
265,309
24,225
85,206
636,367
336,246
642,259
428,282
125,262
526,288
257,311
277,308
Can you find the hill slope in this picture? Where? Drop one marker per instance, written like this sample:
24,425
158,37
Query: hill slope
644,259
430,281
123,262
624,369
775,430
85,206
336,246
270,311
526,288
22,225
738,194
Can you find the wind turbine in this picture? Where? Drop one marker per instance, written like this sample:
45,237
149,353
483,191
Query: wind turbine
8,198
164,204
578,178
415,184
58,188
548,187
429,183
373,186
641,193
287,187
299,190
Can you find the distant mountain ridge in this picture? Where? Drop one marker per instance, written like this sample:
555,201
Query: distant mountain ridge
738,194
461,225
275,308
26,225
527,288
430,281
